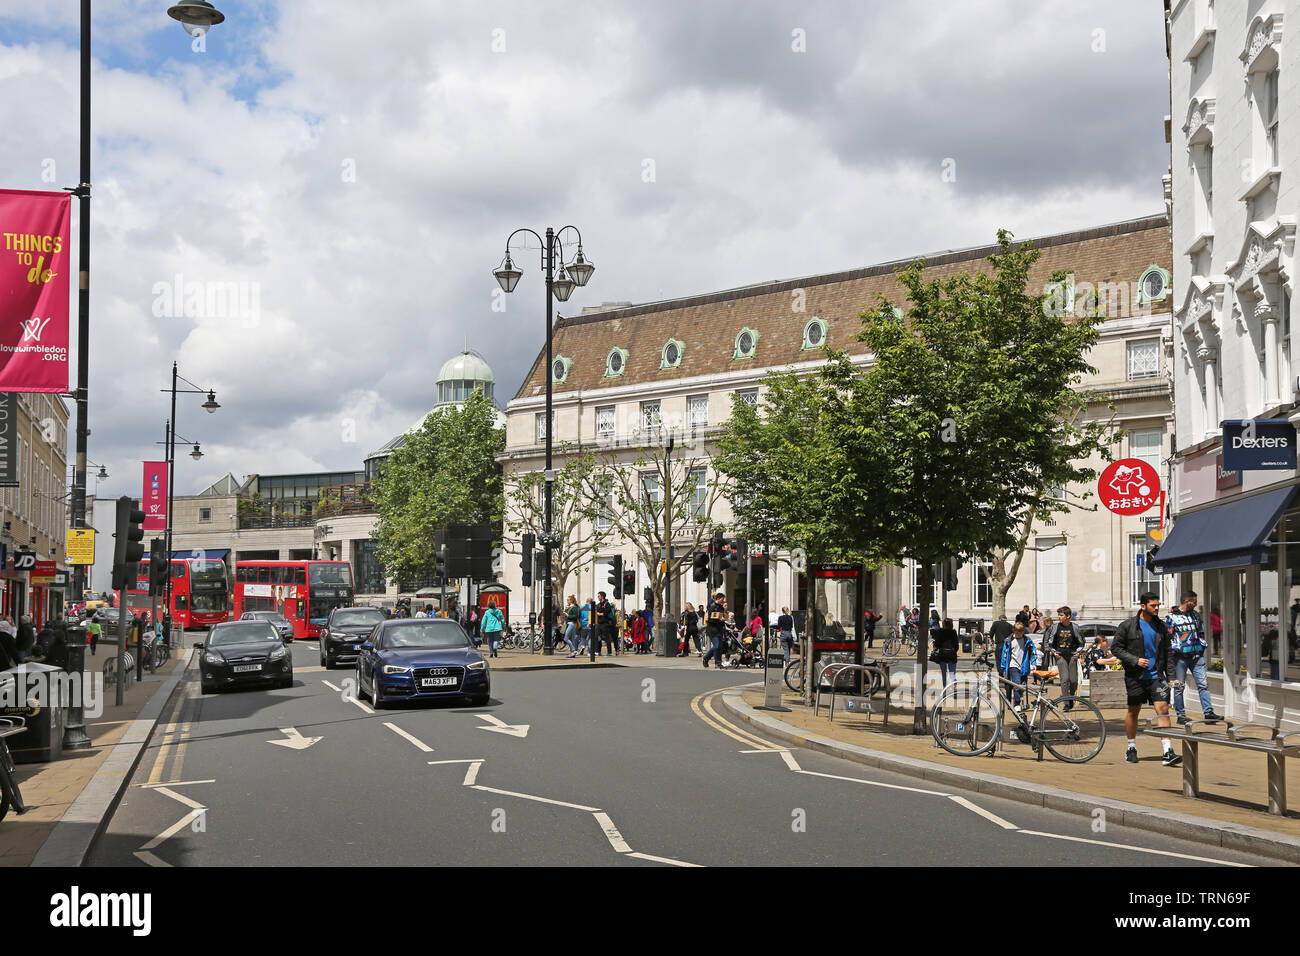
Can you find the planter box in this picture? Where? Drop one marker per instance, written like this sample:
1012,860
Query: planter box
1106,689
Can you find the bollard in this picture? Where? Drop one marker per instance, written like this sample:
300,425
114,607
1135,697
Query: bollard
74,731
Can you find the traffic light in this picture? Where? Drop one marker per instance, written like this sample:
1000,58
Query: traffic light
950,569
700,566
629,582
742,562
616,577
649,595
157,566
440,562
526,562
127,549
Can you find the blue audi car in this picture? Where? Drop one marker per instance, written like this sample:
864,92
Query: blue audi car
421,659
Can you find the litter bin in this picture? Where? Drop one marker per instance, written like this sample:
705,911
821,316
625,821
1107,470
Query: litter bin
30,691
968,627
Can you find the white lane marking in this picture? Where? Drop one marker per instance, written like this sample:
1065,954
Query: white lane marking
294,740
175,783
146,857
332,686
501,727
415,740
986,814
471,773
664,859
873,783
180,798
763,751
351,700
174,828
611,833
789,760
529,796
1135,849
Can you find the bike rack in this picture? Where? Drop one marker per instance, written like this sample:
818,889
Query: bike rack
838,670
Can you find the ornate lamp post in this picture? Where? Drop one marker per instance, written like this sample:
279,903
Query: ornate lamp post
561,286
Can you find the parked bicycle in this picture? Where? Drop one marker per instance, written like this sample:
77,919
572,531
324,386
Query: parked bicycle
10,795
794,676
900,643
968,721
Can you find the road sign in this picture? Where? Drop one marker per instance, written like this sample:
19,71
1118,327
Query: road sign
81,546
1129,486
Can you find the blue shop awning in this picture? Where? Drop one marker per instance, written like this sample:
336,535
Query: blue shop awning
212,554
1223,536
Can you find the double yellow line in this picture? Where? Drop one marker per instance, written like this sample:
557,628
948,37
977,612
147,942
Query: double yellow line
704,710
175,735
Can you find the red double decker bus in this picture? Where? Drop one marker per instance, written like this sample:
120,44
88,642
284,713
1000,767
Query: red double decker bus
200,591
303,591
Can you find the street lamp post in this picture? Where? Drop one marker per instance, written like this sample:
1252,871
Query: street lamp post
561,287
196,16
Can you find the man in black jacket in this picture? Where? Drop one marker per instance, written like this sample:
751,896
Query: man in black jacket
999,631
1142,645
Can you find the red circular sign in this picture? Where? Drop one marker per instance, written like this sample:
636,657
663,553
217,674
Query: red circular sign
1129,486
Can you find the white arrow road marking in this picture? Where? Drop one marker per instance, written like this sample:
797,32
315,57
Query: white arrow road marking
986,814
415,740
514,730
197,810
295,740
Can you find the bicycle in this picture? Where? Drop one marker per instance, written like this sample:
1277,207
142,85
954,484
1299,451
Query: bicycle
10,795
975,727
900,643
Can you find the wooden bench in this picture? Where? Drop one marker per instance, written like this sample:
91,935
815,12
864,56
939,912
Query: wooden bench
1276,747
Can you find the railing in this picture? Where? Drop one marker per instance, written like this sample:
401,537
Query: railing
345,499
275,521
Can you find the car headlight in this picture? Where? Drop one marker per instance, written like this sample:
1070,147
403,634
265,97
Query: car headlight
478,666
394,669
277,654
213,659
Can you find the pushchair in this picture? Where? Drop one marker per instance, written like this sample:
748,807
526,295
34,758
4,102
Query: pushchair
741,651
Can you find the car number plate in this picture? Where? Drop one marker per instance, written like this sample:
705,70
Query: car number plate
247,667
437,682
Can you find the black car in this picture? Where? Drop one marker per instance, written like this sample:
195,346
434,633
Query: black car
244,652
343,633
421,659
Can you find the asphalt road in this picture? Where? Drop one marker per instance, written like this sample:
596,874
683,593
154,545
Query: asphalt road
622,766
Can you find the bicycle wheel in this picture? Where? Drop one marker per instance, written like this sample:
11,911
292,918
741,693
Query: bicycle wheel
1076,735
891,647
963,724
794,675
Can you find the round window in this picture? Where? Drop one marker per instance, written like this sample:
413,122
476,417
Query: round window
814,333
616,361
557,370
745,344
671,353
1153,286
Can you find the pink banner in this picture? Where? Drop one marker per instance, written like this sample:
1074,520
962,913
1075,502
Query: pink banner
35,261
154,498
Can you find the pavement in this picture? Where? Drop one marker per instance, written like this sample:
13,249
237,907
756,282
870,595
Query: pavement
1231,811
68,799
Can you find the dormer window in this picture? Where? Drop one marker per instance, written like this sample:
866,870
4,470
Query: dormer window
1153,285
615,362
560,369
814,333
671,357
746,343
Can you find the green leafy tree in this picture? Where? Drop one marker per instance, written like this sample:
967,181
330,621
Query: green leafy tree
444,473
577,534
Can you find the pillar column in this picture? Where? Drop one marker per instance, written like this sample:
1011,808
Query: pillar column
1272,395
1208,358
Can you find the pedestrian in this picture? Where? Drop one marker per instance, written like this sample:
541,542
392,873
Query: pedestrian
93,632
1035,621
8,643
1216,629
869,620
571,617
902,618
944,654
785,631
493,624
934,620
1023,616
604,626
1188,646
26,638
691,621
1142,643
1066,642
584,624
715,625
1098,656
999,631
638,633
1018,659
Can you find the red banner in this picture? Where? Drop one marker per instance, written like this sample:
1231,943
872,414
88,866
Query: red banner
153,500
35,262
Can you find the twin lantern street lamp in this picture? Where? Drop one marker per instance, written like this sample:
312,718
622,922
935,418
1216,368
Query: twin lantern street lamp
561,286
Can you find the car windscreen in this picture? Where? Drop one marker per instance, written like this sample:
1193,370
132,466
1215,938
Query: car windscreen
270,616
354,617
426,633
242,632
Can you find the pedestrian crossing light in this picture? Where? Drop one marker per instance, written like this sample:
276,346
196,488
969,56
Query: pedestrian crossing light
526,561
629,582
616,576
700,566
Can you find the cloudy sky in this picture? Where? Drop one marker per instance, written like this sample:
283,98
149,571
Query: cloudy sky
354,169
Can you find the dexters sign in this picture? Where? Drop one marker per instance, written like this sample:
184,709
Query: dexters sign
1263,444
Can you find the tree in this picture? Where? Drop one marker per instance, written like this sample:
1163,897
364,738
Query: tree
659,495
963,422
577,535
444,473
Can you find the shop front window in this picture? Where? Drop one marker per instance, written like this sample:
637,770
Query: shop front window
1279,652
